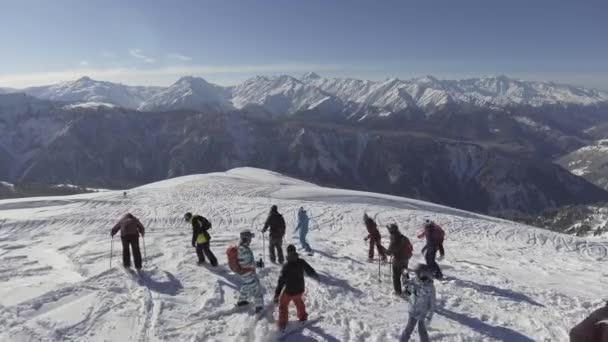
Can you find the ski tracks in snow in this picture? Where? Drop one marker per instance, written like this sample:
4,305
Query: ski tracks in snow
504,280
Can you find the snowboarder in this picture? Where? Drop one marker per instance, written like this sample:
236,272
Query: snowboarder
250,286
291,286
421,292
592,328
276,223
374,238
302,227
201,238
434,243
401,250
130,230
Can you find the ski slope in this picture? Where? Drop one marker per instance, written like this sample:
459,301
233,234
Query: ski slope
507,282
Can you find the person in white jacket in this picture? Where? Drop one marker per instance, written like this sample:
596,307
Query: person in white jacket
421,292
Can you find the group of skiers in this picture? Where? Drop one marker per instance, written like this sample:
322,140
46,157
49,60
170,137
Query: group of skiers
420,291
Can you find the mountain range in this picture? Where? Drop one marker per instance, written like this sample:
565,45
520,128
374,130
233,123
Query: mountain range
488,145
286,95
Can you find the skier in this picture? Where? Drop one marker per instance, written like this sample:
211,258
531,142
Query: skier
250,286
592,328
373,237
302,227
201,238
130,230
421,292
124,194
276,223
401,250
434,242
291,286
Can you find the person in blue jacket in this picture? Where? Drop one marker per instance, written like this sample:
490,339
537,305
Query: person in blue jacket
302,227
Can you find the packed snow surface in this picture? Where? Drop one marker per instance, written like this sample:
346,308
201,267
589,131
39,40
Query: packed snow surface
505,281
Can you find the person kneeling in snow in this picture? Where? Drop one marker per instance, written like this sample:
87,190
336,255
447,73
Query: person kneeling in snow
291,286
593,328
250,287
422,303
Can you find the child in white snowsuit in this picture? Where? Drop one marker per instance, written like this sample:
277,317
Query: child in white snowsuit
250,286
421,293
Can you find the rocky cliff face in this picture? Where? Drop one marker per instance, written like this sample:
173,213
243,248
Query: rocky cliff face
113,147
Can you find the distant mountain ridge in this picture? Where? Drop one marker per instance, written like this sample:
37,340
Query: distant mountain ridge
286,95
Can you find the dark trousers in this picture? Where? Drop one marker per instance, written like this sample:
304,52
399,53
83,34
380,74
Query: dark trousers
398,268
430,256
203,249
133,242
409,329
376,243
275,244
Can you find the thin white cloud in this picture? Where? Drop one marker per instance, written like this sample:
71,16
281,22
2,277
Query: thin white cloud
137,53
162,76
180,57
84,63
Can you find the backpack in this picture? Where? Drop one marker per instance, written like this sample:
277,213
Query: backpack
439,234
205,224
233,260
408,249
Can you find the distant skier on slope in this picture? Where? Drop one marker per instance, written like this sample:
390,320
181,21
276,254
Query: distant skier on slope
250,286
276,223
421,292
302,227
593,328
434,243
373,235
401,249
291,286
130,230
201,238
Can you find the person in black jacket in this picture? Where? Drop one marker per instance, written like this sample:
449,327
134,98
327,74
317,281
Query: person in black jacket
201,238
291,286
276,223
400,249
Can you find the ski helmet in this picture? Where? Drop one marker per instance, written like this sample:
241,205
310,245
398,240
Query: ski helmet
291,249
274,209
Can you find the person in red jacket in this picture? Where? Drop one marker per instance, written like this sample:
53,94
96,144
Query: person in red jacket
373,237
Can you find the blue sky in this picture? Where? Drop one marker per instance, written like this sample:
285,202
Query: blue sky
155,42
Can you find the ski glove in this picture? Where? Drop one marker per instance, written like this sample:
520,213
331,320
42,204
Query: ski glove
193,244
427,320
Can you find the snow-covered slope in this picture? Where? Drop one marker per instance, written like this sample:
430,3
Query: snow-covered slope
86,89
282,95
429,92
189,93
589,162
506,282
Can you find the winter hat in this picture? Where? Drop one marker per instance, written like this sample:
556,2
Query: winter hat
274,209
291,249
246,236
392,228
187,216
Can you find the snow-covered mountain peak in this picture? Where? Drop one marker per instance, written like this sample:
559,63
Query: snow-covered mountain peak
310,76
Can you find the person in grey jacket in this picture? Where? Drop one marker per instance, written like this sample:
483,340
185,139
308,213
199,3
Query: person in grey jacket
421,292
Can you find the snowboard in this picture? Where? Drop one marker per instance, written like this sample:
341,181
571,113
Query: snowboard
294,327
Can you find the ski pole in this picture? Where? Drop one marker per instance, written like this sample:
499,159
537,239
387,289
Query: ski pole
111,249
379,263
145,257
263,246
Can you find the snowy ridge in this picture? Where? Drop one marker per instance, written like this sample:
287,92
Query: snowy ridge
429,92
88,105
86,89
284,95
506,281
189,93
281,95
